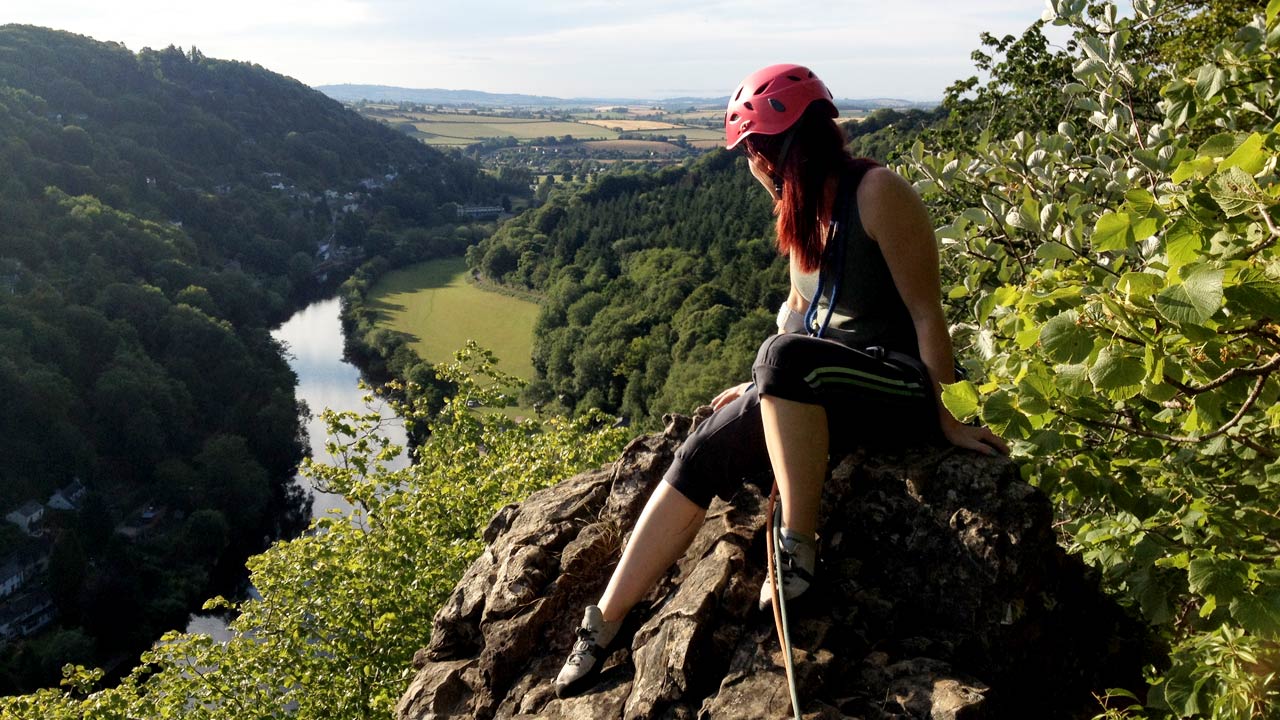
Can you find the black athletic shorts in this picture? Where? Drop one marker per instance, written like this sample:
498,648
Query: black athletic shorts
873,398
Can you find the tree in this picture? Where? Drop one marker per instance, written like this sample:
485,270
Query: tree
67,567
343,608
233,482
1118,285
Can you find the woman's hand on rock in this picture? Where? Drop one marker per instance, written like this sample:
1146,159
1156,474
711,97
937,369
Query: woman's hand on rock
974,438
729,395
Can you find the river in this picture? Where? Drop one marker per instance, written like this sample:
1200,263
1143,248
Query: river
314,340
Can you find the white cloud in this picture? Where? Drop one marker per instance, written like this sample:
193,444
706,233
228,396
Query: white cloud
565,47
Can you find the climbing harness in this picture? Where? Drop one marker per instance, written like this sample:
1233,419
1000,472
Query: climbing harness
780,620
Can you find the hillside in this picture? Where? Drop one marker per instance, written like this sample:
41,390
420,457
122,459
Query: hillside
162,209
438,96
659,286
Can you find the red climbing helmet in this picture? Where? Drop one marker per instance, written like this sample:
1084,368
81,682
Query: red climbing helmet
771,100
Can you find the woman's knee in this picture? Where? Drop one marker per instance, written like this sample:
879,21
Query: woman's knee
782,365
776,348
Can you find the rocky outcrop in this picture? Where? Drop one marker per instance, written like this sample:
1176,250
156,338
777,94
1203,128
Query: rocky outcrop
942,593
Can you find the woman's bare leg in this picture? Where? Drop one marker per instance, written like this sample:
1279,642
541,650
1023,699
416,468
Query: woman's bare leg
797,438
665,529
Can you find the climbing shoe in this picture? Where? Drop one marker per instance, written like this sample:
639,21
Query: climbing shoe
798,553
588,654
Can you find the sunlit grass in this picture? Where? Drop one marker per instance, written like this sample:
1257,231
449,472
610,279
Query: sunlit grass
434,303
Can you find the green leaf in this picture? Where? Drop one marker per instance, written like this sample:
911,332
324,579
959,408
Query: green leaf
1182,243
1253,291
1236,192
1144,228
1054,251
1007,295
1000,414
1036,392
1221,577
1064,341
1139,285
1113,231
1209,81
1116,373
1249,157
1073,380
1195,300
1273,9
954,231
1025,216
1258,614
960,399
1087,68
1140,201
1219,145
1197,167
1095,48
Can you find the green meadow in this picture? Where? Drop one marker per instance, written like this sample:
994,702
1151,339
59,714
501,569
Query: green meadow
434,304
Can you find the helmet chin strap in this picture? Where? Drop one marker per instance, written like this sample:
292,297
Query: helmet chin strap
782,159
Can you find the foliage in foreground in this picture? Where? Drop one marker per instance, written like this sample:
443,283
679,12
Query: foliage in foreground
344,607
1123,286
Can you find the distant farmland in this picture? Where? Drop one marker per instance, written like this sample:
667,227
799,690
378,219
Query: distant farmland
633,125
634,146
460,129
448,129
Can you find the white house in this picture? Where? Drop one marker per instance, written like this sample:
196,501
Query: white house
11,576
26,615
67,497
27,517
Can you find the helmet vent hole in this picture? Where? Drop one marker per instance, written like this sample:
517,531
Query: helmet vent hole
810,73
735,97
762,88
747,105
793,78
734,117
773,103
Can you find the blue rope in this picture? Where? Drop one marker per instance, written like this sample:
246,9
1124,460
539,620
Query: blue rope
811,315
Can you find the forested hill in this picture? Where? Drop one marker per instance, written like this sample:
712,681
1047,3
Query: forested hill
160,210
660,286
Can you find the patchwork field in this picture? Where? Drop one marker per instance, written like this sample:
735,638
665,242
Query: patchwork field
634,147
434,303
466,132
633,125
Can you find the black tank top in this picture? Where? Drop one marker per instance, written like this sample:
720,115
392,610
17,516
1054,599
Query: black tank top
869,310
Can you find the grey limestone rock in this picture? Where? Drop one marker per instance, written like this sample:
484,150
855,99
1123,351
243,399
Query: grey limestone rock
941,594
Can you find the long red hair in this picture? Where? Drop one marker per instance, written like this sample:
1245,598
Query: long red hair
817,152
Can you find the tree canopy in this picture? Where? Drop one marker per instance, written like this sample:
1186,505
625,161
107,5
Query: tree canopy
161,210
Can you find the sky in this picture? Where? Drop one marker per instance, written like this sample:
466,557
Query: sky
911,49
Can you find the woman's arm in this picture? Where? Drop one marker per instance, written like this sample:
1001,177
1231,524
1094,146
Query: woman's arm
894,216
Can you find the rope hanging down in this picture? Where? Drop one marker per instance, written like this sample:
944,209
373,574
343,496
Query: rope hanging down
779,600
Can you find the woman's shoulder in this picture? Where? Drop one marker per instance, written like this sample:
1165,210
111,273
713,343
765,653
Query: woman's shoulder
881,183
886,201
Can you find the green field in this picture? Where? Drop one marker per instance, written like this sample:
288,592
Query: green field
434,303
465,130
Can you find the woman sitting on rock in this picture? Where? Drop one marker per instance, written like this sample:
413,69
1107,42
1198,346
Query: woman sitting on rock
865,368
